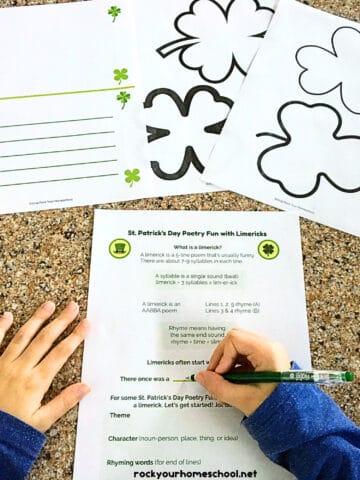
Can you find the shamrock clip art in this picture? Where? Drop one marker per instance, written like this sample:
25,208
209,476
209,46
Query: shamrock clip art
132,176
114,12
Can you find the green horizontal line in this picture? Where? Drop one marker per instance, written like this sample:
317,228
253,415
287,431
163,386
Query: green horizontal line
59,180
56,151
55,121
75,92
56,166
56,136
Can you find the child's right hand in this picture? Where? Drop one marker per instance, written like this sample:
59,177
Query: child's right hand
29,365
253,352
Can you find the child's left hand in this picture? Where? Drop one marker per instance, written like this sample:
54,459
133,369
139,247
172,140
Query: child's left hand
29,365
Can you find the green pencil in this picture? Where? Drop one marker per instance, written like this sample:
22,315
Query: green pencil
323,377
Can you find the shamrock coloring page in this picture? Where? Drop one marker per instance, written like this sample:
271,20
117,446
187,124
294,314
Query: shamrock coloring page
193,64
296,143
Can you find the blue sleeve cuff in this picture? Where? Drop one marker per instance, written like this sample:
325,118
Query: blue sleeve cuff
20,445
275,424
293,414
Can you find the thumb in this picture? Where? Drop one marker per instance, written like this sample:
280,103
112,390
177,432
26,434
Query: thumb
56,408
247,398
222,390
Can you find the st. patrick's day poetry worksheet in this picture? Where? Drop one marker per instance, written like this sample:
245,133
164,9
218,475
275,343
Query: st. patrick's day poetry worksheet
165,287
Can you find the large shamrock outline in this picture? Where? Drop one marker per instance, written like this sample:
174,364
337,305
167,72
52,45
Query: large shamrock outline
331,54
286,140
187,41
155,133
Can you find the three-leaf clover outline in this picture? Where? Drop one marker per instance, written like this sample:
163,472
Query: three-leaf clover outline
299,174
246,19
325,70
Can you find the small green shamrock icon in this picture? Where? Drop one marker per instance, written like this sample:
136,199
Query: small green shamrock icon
123,98
120,75
132,176
268,249
114,12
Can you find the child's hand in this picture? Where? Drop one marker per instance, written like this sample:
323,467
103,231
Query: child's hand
252,352
29,364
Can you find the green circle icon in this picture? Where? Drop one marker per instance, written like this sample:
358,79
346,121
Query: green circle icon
268,249
119,248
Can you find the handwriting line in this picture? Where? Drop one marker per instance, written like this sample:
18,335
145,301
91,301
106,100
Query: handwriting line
57,151
75,92
57,166
59,180
56,121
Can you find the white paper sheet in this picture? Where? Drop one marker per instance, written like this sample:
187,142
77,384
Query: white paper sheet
165,286
292,138
65,138
194,55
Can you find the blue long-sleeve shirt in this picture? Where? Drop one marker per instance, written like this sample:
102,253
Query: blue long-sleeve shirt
20,446
302,429
298,427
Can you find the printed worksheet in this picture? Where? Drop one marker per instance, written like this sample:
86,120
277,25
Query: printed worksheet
292,139
165,287
193,63
70,129
78,125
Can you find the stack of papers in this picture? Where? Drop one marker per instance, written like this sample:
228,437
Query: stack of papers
258,97
292,139
102,102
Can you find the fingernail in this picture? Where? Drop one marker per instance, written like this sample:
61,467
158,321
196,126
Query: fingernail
73,306
6,316
199,378
49,306
84,389
83,327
